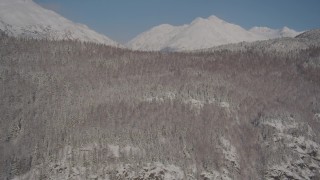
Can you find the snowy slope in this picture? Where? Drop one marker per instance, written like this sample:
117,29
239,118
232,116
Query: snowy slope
310,35
156,38
25,18
203,33
274,33
200,34
280,45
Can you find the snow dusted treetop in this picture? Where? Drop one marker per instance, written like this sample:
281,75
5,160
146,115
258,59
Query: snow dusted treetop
201,34
25,18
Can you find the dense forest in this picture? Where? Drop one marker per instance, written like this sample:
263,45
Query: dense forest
75,110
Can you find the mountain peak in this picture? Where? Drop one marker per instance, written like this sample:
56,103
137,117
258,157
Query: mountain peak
210,19
286,29
287,32
198,20
215,18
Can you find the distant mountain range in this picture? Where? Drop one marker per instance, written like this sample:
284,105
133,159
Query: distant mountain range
274,33
201,34
280,45
24,18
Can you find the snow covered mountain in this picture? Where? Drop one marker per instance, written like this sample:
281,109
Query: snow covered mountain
274,33
157,38
200,34
24,18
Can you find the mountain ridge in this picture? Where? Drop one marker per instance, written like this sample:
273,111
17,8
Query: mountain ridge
202,33
25,18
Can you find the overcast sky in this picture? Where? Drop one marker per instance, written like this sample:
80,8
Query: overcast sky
121,20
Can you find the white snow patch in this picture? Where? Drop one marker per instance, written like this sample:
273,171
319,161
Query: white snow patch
88,147
170,95
115,150
156,99
197,104
224,104
230,153
281,125
317,117
160,97
132,151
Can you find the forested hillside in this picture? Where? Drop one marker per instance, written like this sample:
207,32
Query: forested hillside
73,110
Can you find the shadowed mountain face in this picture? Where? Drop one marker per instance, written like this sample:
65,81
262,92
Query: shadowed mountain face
73,110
